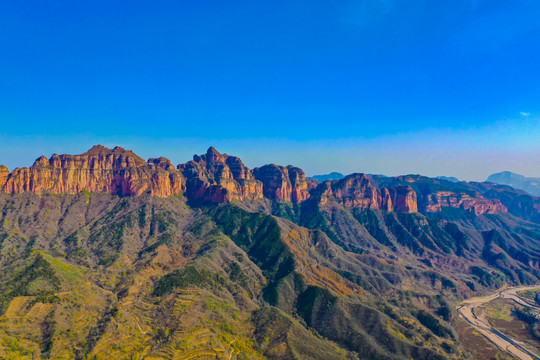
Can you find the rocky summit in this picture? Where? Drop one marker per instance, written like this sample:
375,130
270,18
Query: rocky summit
99,170
104,255
218,178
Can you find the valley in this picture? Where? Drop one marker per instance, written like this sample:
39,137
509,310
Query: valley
511,345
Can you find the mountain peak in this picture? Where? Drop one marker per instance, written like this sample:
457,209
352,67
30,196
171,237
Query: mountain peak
212,150
103,150
332,176
448,178
528,184
100,170
99,149
217,177
505,175
41,161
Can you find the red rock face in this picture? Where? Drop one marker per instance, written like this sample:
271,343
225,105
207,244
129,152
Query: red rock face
216,177
478,204
356,191
4,173
299,183
432,199
283,183
100,170
161,162
404,199
219,177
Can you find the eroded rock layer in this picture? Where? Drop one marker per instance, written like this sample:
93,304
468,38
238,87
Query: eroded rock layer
4,173
283,183
356,191
101,170
218,178
478,204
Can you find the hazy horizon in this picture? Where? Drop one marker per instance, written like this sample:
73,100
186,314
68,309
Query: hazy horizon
348,156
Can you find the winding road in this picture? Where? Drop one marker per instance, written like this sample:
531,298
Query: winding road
467,310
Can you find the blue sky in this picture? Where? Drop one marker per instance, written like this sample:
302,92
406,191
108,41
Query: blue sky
377,86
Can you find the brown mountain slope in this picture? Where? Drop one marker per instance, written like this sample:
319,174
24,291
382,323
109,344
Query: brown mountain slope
139,259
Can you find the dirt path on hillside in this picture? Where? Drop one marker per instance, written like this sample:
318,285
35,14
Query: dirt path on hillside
513,346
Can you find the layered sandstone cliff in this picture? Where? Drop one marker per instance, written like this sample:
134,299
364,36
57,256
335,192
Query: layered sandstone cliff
404,199
4,173
101,170
353,191
480,205
356,191
283,183
217,177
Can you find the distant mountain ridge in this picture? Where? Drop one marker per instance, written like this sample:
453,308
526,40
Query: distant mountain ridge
528,184
448,178
332,176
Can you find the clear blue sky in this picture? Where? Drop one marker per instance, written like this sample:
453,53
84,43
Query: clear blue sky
377,86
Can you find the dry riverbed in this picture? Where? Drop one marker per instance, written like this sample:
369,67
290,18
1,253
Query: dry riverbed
469,311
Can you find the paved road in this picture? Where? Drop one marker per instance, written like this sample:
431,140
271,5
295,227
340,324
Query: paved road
467,310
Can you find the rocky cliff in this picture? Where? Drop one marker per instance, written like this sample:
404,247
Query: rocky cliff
217,177
283,183
114,171
434,194
478,204
404,199
357,191
4,173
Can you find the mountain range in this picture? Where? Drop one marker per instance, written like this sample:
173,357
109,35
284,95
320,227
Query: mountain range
107,255
338,176
448,178
330,176
528,184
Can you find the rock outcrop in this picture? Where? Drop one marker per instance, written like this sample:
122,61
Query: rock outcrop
353,191
4,173
161,162
283,183
479,204
404,199
356,191
101,170
216,177
433,194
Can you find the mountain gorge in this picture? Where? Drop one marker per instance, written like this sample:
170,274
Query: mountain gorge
106,255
